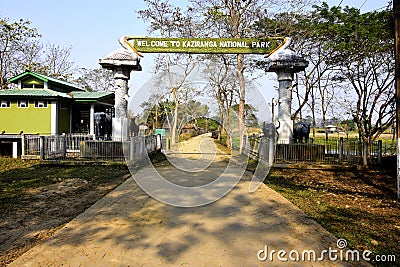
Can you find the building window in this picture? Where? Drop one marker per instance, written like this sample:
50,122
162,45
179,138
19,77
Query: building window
23,103
33,86
5,103
40,104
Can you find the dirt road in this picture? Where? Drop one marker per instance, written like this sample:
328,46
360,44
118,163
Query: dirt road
130,228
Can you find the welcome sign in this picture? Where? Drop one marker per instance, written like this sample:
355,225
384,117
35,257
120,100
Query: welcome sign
205,45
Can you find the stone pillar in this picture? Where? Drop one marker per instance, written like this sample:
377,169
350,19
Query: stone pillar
285,130
285,63
120,121
121,76
122,62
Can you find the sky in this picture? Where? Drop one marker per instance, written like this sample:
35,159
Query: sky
92,27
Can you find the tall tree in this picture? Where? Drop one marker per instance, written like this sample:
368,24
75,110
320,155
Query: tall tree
311,85
349,53
362,48
13,37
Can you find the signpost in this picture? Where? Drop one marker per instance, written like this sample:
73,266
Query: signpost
205,45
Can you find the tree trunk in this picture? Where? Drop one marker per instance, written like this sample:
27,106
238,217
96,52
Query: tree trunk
242,97
175,121
365,154
156,119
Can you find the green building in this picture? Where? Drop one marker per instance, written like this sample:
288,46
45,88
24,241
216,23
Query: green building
38,104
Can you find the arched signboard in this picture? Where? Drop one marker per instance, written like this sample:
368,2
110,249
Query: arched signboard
264,46
152,181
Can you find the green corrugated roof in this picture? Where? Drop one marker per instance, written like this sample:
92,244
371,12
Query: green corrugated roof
89,95
32,92
78,95
45,79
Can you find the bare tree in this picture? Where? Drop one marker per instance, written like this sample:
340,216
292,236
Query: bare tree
224,87
58,62
236,18
96,79
167,21
28,57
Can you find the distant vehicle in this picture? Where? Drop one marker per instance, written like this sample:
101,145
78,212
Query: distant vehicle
335,129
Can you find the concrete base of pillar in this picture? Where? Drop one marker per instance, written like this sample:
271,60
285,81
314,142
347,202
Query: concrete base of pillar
120,128
285,132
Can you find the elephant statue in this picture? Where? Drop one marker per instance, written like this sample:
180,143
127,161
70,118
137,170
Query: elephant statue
270,130
102,125
301,130
133,127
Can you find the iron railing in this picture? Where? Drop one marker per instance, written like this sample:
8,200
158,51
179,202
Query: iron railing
328,152
64,147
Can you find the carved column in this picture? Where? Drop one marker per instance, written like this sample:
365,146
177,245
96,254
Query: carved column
285,130
285,63
122,62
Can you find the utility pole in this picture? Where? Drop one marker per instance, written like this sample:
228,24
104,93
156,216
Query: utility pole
396,10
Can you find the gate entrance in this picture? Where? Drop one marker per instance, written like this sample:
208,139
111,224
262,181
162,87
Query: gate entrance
192,103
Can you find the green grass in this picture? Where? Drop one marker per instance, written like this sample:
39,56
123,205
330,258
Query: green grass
16,176
359,206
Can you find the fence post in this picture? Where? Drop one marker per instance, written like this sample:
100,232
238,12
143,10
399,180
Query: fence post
167,143
340,149
142,145
64,142
271,151
22,145
246,146
159,144
131,149
41,146
15,150
379,151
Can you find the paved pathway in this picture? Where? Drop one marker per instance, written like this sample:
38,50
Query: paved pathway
129,228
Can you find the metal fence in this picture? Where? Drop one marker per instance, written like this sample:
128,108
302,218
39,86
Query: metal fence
73,147
31,146
73,141
327,152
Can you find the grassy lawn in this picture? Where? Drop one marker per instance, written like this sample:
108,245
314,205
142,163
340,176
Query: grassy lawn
38,198
359,206
17,176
